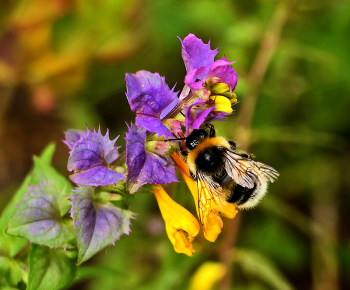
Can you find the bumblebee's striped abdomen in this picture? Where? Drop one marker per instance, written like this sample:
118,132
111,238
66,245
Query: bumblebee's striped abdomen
240,194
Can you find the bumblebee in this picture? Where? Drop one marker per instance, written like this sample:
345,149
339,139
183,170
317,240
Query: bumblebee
225,172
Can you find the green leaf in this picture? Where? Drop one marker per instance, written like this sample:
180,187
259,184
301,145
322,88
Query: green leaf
45,172
50,268
47,154
9,244
38,217
97,223
12,245
11,270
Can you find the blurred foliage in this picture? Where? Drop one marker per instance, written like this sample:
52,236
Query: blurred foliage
62,65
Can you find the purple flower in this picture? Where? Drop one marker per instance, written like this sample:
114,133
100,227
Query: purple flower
145,167
200,65
97,223
150,98
90,159
211,81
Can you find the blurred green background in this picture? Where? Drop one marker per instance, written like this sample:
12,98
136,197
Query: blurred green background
62,65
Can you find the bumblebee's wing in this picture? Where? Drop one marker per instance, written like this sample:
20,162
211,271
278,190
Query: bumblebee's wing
247,172
210,199
212,186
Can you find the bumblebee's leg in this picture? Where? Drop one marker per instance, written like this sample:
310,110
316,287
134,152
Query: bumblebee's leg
184,153
193,176
212,132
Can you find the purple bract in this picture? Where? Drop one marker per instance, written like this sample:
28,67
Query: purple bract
196,54
97,224
149,96
145,167
73,136
200,65
90,159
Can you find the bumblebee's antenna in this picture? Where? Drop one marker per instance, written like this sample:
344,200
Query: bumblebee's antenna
175,139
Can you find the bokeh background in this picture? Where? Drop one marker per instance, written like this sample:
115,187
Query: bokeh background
62,65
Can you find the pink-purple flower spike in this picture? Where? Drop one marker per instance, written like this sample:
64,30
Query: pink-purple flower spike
100,216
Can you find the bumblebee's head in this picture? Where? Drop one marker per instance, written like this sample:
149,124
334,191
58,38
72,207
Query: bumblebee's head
195,138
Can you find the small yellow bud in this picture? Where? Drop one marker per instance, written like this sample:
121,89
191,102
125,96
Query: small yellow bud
234,98
220,88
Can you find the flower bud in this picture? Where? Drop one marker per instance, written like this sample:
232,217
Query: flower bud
160,147
203,94
234,98
220,88
212,81
224,90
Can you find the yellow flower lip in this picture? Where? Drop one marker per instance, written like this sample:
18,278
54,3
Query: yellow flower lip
209,213
222,103
181,226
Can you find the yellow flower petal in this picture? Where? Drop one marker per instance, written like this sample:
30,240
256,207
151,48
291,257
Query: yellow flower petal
207,275
181,226
222,103
213,205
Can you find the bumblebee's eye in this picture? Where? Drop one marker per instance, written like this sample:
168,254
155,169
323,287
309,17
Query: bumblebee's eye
196,137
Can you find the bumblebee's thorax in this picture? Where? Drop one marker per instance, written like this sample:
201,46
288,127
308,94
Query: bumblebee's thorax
209,159
207,155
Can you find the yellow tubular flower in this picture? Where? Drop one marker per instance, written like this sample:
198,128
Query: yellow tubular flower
181,226
212,205
222,103
207,275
